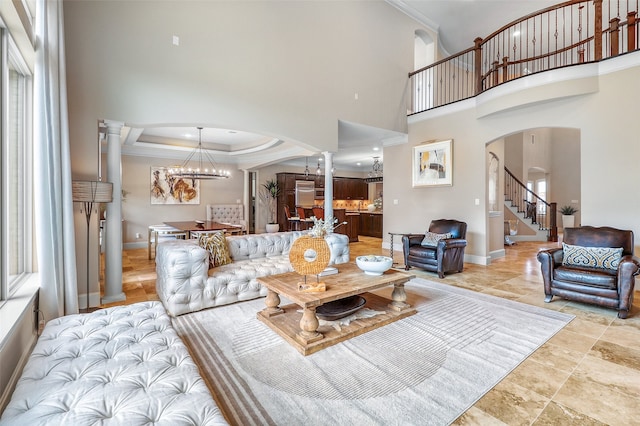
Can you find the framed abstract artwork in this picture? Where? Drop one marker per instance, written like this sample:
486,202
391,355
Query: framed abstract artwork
166,189
432,164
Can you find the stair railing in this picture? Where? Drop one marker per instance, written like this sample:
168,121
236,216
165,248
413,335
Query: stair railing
529,203
570,33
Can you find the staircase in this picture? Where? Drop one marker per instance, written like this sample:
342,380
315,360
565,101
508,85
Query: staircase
530,209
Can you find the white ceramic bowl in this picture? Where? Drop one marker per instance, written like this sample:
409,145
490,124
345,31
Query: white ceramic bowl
374,265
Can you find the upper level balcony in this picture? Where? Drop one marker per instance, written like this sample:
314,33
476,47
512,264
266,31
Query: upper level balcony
570,33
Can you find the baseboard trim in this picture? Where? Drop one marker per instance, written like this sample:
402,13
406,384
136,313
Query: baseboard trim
135,245
478,260
497,254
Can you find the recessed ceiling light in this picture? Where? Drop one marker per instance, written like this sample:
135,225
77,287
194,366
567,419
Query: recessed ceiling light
358,164
232,131
375,148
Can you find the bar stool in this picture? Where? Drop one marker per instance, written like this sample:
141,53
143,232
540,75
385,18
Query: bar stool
161,231
291,221
303,217
318,212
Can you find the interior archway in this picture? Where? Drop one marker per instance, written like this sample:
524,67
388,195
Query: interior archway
546,160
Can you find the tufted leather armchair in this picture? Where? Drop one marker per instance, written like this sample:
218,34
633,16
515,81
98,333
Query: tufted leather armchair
447,256
604,287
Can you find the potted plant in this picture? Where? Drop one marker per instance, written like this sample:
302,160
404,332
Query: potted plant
269,196
567,212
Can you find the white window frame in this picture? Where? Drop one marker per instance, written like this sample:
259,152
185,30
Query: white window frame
10,56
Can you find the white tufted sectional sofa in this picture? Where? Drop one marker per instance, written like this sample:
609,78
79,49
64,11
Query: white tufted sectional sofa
186,284
123,366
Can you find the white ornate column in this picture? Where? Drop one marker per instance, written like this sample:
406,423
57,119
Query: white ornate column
113,223
328,184
246,195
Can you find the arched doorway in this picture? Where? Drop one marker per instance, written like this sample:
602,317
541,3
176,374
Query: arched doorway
546,161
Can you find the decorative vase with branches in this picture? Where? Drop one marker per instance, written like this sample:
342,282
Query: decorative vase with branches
269,196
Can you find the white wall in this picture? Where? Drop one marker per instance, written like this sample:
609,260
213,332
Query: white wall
279,68
608,144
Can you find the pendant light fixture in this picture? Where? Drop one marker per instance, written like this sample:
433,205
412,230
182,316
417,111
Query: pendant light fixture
319,170
306,167
375,175
376,169
199,169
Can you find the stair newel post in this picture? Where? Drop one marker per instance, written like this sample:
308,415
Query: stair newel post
505,69
553,225
478,64
597,30
631,31
614,35
494,70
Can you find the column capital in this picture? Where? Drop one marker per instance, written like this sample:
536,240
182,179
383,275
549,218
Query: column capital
113,127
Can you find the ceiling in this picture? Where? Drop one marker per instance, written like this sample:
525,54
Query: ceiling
357,144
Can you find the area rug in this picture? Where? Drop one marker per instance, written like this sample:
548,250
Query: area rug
425,369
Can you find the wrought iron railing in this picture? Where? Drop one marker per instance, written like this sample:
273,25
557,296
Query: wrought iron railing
538,210
570,33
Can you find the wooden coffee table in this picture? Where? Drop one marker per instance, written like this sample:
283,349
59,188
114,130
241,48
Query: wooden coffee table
302,330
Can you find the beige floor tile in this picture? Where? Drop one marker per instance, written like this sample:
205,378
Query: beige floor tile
574,341
586,327
617,354
512,403
623,336
555,414
606,373
557,357
601,402
540,378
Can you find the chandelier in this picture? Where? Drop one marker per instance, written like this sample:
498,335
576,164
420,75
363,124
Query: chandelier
198,170
376,170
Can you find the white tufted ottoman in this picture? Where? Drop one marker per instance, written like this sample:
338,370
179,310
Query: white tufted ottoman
119,366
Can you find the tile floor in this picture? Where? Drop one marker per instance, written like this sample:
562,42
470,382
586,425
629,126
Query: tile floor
588,374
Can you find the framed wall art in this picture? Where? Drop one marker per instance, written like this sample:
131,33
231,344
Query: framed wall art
166,189
432,164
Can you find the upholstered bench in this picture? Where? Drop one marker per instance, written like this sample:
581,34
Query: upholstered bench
186,283
123,365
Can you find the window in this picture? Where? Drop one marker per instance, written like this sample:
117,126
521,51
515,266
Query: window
530,190
494,181
16,166
541,190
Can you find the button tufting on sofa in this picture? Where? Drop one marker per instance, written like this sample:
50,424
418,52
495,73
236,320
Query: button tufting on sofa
253,256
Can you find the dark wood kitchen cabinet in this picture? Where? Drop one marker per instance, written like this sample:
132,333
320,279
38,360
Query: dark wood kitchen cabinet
371,224
350,189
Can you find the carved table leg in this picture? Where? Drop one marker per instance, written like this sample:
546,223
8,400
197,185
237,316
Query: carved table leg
272,301
399,298
309,325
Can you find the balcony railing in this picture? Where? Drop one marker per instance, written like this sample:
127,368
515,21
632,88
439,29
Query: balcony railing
570,33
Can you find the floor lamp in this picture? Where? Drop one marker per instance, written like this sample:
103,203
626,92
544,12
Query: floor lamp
88,193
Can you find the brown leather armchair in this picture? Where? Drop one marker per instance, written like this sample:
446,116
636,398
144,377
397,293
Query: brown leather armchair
447,256
599,286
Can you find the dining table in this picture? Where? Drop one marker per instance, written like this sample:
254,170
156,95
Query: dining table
190,226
